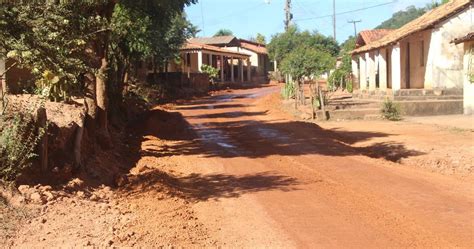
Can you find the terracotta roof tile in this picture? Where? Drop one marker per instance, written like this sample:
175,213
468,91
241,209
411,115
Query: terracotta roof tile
421,23
198,46
369,36
213,40
253,46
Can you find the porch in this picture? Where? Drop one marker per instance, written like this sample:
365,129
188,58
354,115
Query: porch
233,66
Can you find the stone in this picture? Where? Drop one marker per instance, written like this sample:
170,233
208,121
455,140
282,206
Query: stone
49,195
45,188
80,194
37,198
75,183
23,189
94,197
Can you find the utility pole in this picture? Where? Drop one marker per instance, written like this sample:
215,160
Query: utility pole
288,15
334,18
355,27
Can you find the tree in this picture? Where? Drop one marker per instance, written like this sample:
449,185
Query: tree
403,17
341,77
283,44
223,32
83,42
305,62
260,39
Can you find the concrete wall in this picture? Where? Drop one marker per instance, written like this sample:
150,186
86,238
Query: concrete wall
414,56
444,64
468,86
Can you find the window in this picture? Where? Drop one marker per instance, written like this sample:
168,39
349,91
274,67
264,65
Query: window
422,56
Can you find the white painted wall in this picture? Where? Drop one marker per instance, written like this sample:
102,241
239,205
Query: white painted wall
371,69
396,68
445,60
355,70
363,72
382,61
468,86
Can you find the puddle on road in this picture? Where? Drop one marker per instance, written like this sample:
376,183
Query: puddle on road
215,136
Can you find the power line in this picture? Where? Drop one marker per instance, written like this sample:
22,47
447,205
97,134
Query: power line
345,12
355,27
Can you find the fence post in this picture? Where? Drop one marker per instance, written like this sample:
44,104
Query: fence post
41,122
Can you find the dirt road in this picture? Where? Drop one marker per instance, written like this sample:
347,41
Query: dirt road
288,183
234,170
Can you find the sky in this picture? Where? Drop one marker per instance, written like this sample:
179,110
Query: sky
246,18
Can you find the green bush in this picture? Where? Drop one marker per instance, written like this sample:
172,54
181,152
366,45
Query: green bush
276,76
288,91
390,110
19,137
211,71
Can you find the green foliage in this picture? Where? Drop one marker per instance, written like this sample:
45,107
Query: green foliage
260,38
50,37
223,32
306,61
390,110
19,137
403,17
288,91
211,71
276,76
283,44
341,77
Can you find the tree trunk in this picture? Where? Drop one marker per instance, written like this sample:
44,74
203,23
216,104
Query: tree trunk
102,104
321,102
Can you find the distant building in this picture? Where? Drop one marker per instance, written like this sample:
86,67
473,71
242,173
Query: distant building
418,59
258,53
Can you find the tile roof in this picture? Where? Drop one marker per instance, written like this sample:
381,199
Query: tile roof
213,40
423,22
197,46
468,37
253,46
369,36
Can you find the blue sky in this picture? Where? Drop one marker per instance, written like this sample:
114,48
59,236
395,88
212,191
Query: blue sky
248,17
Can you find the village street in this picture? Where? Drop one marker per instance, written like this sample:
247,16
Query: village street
234,169
270,180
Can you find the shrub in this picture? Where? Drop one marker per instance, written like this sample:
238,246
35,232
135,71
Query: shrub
390,110
19,137
211,71
288,91
276,76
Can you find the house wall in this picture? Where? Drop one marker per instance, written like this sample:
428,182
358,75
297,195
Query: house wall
444,66
468,86
355,72
414,55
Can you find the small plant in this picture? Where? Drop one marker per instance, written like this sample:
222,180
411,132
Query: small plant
288,91
211,71
19,137
390,110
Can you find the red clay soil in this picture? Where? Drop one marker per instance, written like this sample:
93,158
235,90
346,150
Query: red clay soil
237,171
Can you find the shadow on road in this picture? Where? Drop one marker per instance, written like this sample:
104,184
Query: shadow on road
198,187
